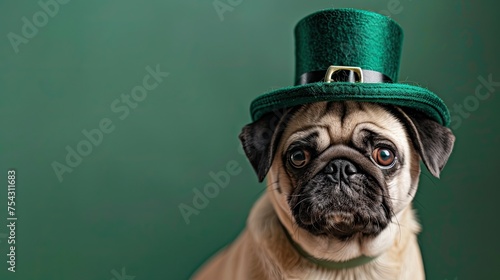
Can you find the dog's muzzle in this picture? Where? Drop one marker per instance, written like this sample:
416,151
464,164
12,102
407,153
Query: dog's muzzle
342,194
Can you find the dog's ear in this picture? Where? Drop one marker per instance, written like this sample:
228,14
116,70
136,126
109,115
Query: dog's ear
432,141
260,139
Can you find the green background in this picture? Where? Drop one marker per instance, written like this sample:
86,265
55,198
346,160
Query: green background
119,208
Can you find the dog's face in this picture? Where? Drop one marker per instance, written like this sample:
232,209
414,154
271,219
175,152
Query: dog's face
342,169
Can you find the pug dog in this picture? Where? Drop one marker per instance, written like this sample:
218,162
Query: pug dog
341,177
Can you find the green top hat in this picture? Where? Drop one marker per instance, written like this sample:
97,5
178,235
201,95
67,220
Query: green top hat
348,54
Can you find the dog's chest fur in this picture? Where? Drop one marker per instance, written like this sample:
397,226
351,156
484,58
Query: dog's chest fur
262,252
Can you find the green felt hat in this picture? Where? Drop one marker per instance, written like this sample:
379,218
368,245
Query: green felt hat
348,54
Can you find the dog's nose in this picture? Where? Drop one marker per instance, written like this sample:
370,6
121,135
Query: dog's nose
340,169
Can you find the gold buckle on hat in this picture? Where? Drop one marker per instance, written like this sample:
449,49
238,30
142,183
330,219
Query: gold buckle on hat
332,69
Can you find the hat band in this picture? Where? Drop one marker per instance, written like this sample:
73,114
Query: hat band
344,75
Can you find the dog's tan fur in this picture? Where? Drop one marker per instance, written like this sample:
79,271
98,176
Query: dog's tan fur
262,251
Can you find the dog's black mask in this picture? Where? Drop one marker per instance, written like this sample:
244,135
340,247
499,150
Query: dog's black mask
339,193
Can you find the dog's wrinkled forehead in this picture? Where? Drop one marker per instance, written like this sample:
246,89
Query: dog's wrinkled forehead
342,122
334,123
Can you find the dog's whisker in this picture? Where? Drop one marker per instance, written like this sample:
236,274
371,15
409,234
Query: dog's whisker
277,187
396,217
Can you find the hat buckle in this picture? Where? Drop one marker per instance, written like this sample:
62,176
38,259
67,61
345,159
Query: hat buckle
334,68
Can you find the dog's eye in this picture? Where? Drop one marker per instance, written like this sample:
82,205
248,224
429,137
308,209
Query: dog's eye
299,158
383,157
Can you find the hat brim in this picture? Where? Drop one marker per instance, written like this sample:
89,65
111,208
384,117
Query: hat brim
403,95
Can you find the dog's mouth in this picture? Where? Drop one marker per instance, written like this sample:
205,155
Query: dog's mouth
341,208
